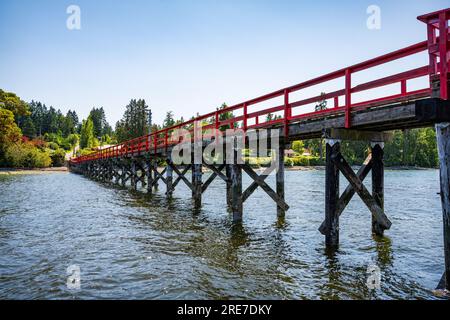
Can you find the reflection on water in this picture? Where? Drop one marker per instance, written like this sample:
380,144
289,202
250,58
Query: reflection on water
132,245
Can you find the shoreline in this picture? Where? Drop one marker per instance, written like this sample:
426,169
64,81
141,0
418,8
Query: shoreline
24,171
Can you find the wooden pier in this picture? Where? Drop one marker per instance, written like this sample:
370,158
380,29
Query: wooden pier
135,162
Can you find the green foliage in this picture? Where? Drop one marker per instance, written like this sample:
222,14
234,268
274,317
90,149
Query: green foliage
25,155
10,101
58,157
134,122
298,146
53,145
87,139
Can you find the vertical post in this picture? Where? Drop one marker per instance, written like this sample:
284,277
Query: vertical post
280,177
133,174
228,184
236,185
331,194
348,97
443,143
149,176
196,182
443,53
123,173
169,177
155,167
377,181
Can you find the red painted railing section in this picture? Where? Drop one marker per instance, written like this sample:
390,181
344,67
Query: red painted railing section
291,109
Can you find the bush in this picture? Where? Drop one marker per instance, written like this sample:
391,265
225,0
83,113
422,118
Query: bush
25,155
58,157
288,162
53,145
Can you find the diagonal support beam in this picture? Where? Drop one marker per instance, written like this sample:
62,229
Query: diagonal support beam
181,175
217,172
254,185
362,191
349,192
261,183
159,176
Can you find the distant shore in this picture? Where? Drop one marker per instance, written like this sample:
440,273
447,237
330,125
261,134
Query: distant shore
13,171
21,171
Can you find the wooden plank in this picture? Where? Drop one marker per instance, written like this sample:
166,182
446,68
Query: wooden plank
349,192
357,135
362,191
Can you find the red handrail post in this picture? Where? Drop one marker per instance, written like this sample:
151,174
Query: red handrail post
348,97
287,114
245,117
443,52
438,47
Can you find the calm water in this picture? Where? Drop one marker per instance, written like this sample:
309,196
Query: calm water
130,246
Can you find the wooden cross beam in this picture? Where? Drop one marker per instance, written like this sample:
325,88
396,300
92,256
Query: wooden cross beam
159,176
216,172
254,185
181,175
261,183
349,192
364,194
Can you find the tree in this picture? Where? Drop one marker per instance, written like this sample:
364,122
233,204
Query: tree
169,120
134,122
9,131
13,103
87,134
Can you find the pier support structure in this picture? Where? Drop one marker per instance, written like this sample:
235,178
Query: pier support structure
336,164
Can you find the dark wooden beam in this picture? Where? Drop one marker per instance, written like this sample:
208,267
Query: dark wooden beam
331,195
443,143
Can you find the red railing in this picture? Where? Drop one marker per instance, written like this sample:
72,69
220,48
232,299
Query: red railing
291,109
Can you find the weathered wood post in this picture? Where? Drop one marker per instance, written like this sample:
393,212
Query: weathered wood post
197,184
228,185
169,177
443,143
149,176
236,183
133,174
155,168
377,182
333,148
280,177
123,173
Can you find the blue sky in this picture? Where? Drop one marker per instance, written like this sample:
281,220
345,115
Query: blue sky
188,56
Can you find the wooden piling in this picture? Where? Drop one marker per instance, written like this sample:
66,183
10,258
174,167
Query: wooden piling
236,185
133,174
197,184
377,183
331,194
228,185
149,172
169,178
443,143
280,179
